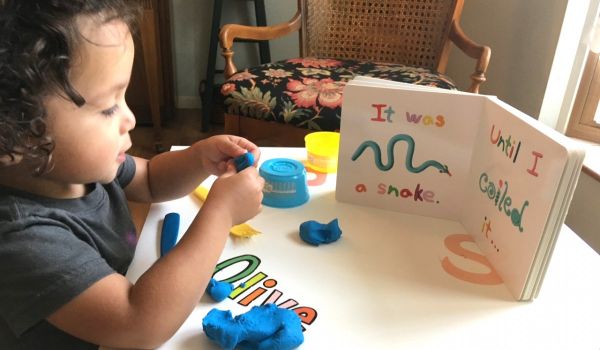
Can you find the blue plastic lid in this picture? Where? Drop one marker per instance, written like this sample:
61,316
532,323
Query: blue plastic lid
285,183
281,169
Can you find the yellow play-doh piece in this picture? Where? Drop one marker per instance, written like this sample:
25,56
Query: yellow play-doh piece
243,230
201,192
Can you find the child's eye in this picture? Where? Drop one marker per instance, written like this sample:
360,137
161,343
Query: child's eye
109,112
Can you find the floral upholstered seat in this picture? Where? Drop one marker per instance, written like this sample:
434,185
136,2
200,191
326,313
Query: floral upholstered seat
280,103
308,92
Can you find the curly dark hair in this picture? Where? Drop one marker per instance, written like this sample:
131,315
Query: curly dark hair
37,41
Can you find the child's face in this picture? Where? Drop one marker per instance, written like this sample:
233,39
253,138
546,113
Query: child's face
91,140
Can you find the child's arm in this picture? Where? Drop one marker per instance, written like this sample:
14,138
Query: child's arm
174,174
114,313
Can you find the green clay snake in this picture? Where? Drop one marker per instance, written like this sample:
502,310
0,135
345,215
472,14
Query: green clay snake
390,155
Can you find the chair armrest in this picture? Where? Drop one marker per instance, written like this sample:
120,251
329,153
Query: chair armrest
230,32
479,52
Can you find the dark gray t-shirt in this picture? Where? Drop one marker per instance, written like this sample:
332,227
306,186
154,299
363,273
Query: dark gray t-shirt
51,250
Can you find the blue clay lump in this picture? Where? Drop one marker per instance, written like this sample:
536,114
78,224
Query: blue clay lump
315,233
217,290
265,327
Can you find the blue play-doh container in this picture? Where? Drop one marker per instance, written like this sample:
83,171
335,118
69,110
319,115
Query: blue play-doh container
285,183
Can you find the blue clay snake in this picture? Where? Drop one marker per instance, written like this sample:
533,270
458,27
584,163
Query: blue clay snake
390,155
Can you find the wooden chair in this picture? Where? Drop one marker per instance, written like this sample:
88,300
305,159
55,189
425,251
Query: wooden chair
401,40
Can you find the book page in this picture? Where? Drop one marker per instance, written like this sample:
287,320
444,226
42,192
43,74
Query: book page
515,174
471,158
365,80
406,150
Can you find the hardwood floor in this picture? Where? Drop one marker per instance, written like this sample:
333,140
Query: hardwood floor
181,129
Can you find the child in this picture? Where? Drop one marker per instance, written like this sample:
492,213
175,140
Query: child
66,237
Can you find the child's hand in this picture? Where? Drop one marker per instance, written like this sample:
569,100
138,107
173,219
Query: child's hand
237,194
217,151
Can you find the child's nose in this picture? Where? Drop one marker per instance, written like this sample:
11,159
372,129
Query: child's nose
127,119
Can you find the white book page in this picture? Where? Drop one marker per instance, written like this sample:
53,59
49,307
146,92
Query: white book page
395,144
515,174
364,81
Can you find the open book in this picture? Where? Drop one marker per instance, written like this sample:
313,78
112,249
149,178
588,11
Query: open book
507,178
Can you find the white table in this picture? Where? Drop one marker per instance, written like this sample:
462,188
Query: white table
381,286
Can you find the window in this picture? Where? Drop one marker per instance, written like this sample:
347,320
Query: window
585,117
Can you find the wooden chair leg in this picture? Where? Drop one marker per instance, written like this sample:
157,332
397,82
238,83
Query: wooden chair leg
232,124
150,51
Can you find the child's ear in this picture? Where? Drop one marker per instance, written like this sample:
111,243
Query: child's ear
10,159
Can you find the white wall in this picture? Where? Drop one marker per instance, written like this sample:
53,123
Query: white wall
191,21
583,217
523,37
522,34
187,20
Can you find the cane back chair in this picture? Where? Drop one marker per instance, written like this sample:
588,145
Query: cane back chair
400,40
